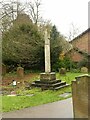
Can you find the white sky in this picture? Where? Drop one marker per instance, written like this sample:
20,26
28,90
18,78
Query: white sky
64,12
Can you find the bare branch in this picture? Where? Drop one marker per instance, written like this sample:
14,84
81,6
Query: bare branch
34,10
9,12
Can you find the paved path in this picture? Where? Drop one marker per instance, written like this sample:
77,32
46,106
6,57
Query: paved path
60,109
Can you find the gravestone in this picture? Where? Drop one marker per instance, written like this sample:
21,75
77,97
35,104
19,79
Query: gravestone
81,96
4,69
84,70
62,71
20,72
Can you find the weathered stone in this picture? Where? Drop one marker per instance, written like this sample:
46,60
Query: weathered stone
48,79
47,76
84,70
81,96
62,71
4,69
20,72
47,53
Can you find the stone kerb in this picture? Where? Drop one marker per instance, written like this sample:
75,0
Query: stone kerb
80,96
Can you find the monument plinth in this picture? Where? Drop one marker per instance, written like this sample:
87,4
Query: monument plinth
48,78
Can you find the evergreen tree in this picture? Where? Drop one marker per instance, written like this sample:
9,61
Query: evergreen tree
23,44
56,48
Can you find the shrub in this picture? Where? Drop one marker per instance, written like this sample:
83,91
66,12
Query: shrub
83,63
75,70
65,63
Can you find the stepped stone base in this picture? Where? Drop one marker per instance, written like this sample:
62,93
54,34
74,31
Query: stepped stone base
47,76
48,81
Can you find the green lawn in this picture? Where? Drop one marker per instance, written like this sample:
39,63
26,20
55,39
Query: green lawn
69,77
19,102
40,97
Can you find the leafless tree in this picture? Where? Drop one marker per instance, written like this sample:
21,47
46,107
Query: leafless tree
73,32
34,10
9,12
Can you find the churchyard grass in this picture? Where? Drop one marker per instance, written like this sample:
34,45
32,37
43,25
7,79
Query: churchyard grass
69,77
37,97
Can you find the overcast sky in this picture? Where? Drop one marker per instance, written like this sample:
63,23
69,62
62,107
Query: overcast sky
63,13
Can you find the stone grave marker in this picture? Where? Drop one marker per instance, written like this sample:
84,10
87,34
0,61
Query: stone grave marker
84,70
81,96
62,71
20,72
4,69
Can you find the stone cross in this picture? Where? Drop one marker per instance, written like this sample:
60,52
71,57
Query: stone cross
47,53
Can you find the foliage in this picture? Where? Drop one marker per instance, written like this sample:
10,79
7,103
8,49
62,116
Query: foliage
73,70
69,77
54,33
58,45
23,44
56,48
64,63
83,63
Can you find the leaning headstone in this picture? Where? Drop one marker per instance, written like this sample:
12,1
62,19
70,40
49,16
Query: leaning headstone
84,70
4,69
62,71
81,96
20,72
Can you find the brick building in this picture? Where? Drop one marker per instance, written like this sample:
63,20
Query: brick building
81,47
